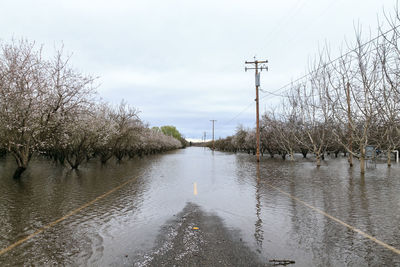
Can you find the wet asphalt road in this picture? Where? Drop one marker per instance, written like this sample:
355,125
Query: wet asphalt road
196,238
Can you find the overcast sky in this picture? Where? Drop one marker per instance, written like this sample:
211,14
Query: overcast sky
181,63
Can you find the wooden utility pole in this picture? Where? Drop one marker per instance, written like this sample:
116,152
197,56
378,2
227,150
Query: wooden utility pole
213,121
257,77
350,135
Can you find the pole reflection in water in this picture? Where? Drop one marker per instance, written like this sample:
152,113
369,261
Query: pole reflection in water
259,233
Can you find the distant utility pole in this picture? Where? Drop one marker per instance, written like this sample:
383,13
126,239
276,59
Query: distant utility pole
254,66
204,137
213,147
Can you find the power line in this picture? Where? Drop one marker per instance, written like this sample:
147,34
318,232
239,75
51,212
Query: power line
240,113
284,20
275,93
329,63
271,93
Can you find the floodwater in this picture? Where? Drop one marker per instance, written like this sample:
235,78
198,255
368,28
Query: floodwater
281,210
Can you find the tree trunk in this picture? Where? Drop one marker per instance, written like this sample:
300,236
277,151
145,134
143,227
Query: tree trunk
318,160
61,158
350,159
75,160
104,157
362,159
22,157
304,152
337,153
362,164
131,154
389,160
18,172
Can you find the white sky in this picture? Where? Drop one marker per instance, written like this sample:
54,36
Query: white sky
182,62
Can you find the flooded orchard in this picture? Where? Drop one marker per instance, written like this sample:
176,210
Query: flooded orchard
119,214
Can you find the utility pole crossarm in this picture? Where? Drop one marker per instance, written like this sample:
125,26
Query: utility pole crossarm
256,62
259,68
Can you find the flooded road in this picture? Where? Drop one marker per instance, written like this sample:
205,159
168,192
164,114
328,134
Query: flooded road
329,216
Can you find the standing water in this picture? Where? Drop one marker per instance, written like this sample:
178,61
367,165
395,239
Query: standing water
281,210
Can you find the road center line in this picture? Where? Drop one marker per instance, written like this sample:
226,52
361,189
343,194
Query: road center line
23,240
395,250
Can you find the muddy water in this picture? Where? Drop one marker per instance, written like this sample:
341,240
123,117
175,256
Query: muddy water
253,202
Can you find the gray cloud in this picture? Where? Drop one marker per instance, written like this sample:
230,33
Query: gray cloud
182,62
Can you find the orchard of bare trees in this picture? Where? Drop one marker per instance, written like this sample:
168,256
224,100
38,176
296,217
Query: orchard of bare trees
49,109
343,105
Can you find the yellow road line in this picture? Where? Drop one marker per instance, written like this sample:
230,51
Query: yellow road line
19,242
395,250
195,189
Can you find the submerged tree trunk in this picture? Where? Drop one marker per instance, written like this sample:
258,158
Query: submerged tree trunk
270,152
337,153
104,157
61,158
362,159
362,164
318,158
304,152
120,156
18,172
350,159
389,158
75,160
22,157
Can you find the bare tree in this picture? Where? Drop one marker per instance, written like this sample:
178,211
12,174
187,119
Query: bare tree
23,82
268,135
315,112
387,98
354,84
